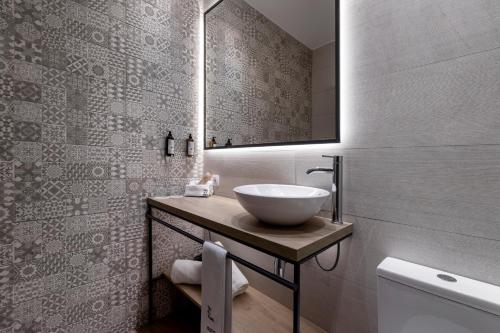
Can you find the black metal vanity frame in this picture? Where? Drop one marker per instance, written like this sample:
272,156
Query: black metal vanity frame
294,286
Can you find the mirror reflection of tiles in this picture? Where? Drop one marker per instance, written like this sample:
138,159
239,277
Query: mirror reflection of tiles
269,79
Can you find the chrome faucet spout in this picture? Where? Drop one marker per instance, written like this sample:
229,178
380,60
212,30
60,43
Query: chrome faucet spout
336,191
319,170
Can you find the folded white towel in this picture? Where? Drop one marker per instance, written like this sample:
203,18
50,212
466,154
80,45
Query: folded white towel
194,190
216,298
186,271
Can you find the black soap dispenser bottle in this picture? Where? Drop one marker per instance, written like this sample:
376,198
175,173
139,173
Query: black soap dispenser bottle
170,144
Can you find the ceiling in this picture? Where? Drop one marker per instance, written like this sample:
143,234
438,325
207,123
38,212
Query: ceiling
312,22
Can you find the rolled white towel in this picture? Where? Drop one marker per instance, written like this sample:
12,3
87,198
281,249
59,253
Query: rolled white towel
189,272
186,272
239,281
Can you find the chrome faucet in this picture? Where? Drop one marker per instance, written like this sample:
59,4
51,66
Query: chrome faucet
336,190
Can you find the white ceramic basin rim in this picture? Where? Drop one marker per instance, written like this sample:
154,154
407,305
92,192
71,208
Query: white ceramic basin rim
281,204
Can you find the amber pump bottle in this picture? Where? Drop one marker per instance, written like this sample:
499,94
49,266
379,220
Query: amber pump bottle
190,146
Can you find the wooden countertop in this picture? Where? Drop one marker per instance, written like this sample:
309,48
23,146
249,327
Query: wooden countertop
228,218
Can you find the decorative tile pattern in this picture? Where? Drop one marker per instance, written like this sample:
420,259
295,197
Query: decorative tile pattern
25,71
6,150
28,191
27,249
27,151
27,91
77,153
54,133
6,171
98,154
54,171
54,97
76,171
27,111
53,209
6,87
97,137
27,43
28,211
6,129
77,206
7,192
27,131
54,77
88,91
76,135
53,47
53,152
28,171
54,190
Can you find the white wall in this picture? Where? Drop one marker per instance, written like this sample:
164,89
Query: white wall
421,140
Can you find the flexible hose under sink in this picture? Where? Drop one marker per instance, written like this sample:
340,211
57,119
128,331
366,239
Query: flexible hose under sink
334,264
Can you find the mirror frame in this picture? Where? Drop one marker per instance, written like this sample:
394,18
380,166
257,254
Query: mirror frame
270,144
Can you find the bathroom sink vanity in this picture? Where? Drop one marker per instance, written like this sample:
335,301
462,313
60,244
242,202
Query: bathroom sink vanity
253,311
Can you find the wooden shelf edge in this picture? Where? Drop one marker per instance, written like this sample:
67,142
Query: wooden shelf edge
254,311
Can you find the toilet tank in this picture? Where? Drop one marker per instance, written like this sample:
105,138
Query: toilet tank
417,299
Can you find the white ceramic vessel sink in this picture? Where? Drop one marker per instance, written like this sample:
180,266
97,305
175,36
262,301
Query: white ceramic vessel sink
283,205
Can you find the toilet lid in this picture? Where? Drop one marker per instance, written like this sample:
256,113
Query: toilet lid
477,294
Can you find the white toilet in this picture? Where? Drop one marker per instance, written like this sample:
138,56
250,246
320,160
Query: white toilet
418,299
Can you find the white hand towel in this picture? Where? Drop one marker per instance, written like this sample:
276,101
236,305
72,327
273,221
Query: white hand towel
186,271
189,272
239,281
216,296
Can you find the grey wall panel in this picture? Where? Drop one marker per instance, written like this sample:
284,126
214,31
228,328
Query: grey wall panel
449,103
393,36
421,140
454,189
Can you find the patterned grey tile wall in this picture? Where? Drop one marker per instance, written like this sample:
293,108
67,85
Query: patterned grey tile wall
88,91
258,78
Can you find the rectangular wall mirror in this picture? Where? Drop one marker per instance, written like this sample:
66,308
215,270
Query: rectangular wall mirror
271,73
